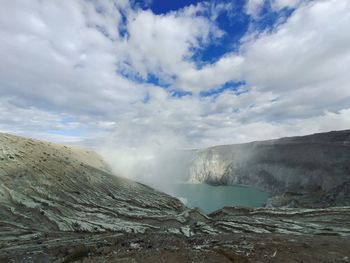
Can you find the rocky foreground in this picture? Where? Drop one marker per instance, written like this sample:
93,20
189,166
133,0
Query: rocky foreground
61,204
306,171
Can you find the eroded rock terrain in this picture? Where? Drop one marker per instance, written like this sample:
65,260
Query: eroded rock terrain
49,187
306,171
61,204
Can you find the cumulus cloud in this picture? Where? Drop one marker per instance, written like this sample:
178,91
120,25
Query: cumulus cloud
300,67
253,7
304,61
88,72
53,57
280,4
163,44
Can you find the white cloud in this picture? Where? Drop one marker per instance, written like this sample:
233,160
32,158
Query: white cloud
62,60
227,69
305,60
253,7
163,44
303,63
54,56
280,4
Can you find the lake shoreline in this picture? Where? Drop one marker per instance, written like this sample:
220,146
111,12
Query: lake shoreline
219,185
210,198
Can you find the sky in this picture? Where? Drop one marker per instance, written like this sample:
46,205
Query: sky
182,73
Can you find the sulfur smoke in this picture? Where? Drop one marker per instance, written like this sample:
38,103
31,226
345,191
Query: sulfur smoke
157,160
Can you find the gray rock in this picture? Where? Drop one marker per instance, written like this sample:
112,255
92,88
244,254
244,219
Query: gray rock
308,171
73,190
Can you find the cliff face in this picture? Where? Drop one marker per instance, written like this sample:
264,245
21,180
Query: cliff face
314,167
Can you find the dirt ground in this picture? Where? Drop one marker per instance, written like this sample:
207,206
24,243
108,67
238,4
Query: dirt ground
153,248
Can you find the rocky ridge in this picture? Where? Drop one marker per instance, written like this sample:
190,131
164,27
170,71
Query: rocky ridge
305,171
49,187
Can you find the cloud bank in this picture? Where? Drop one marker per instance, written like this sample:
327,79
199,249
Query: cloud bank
113,75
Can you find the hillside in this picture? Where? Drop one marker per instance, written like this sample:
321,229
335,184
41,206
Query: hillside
306,171
50,187
61,204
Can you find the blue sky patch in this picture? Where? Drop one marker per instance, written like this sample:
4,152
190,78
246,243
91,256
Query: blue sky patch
235,24
268,19
231,18
155,80
164,6
146,98
180,93
232,85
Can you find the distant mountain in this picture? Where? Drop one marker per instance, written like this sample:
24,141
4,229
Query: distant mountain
305,171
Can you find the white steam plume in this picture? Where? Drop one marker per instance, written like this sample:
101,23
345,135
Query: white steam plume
157,159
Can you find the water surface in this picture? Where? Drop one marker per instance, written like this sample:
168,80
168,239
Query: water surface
210,198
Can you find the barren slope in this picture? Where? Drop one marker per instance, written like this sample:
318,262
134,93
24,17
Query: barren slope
310,171
49,187
61,204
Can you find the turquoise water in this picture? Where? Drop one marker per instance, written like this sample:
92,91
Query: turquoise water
210,198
